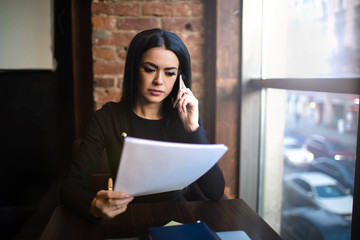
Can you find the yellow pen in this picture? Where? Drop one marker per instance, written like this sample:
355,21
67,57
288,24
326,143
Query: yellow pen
110,188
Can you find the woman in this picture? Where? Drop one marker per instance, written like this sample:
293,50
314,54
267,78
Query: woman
152,107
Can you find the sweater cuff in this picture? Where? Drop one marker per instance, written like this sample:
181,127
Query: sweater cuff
197,136
78,202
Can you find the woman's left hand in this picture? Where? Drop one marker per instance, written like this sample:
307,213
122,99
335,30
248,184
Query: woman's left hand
188,108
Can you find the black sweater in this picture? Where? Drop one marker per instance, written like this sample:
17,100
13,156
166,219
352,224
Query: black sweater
105,132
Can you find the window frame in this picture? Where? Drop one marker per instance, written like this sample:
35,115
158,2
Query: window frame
252,111
328,85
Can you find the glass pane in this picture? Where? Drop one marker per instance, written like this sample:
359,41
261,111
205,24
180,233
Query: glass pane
311,38
310,142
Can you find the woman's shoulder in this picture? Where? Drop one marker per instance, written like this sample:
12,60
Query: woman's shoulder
113,106
111,110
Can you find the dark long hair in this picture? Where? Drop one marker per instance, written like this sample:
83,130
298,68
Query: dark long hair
142,42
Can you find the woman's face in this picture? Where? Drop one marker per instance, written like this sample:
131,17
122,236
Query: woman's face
158,70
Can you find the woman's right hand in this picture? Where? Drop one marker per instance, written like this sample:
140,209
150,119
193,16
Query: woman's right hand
109,204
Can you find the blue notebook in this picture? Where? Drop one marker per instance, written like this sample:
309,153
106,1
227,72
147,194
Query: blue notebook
190,231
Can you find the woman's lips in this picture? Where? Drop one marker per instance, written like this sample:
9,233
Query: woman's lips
155,92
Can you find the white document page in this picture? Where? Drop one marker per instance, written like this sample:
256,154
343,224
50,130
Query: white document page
149,167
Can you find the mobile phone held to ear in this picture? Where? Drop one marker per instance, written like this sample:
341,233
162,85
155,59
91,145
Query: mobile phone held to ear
180,87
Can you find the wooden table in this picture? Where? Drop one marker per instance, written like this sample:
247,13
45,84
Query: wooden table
224,215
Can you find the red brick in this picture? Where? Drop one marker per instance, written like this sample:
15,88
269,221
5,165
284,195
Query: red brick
136,23
197,9
183,10
121,52
104,82
171,24
117,9
196,88
101,34
182,35
120,82
167,1
97,106
117,39
197,67
125,0
108,23
104,95
108,68
195,39
196,53
166,10
102,53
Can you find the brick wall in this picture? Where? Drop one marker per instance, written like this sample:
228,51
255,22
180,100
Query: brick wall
115,23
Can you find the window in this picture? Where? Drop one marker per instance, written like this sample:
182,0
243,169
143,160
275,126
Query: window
301,63
329,191
332,169
306,187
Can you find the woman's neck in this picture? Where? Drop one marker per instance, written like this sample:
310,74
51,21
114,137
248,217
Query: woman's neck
149,111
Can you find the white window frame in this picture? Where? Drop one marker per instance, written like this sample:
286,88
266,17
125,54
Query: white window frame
252,111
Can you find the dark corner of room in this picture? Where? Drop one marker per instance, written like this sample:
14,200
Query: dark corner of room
37,133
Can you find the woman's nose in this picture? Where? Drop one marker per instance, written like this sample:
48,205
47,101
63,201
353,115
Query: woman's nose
158,80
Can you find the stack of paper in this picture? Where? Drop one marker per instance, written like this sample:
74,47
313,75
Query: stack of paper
149,167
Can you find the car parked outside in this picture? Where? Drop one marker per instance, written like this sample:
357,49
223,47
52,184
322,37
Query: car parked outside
307,223
295,154
316,189
327,147
342,171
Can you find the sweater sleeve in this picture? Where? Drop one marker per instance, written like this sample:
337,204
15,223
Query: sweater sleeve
197,136
212,183
73,193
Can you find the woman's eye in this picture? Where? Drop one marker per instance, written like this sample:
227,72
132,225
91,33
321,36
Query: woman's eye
170,74
148,70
